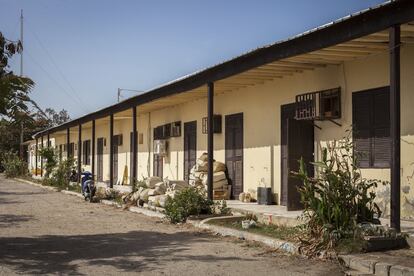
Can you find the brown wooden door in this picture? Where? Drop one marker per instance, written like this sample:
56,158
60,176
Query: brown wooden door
234,152
190,147
99,153
297,139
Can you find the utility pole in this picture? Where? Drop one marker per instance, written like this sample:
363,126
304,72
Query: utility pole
21,75
128,90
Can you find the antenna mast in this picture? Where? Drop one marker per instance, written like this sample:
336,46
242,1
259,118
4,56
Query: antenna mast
21,41
21,74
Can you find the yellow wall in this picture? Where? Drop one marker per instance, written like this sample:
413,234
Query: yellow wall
260,105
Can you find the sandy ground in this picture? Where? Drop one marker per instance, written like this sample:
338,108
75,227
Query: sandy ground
44,232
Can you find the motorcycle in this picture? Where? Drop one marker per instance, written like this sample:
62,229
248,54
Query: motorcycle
88,186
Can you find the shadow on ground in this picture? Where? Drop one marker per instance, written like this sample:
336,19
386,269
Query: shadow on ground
132,251
9,220
5,200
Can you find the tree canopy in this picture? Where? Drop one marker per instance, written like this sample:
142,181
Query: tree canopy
14,89
19,114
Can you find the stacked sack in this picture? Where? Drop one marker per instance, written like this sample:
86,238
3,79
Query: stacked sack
156,191
198,177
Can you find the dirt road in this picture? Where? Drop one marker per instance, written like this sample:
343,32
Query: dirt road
44,232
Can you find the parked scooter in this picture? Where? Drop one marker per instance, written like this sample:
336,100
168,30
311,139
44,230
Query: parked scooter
88,186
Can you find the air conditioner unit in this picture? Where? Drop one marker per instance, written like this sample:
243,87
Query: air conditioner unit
160,147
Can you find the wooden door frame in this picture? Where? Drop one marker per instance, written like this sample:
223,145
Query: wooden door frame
282,188
225,150
189,123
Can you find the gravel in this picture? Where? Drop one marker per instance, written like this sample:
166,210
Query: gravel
46,232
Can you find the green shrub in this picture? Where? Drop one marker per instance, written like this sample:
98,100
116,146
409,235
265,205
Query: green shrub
336,199
221,208
13,165
136,184
187,202
51,160
61,175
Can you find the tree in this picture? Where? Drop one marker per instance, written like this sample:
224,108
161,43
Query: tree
14,89
56,118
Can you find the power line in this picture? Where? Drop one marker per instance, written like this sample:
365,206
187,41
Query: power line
75,94
57,83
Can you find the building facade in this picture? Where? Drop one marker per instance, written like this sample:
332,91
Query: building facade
267,109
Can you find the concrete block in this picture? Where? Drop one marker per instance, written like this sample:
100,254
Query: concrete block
398,270
346,259
382,269
363,265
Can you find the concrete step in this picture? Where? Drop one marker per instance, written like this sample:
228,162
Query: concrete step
356,273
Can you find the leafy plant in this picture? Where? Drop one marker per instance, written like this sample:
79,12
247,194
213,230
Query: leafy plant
136,184
61,175
49,155
187,202
251,216
221,208
114,195
13,165
336,199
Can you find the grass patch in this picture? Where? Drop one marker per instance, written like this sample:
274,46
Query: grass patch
273,231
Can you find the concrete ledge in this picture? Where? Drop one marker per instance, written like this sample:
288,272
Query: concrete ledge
111,203
123,189
398,270
382,269
37,184
363,264
72,193
224,231
146,212
268,218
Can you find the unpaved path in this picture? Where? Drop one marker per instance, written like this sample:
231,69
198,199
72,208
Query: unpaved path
44,232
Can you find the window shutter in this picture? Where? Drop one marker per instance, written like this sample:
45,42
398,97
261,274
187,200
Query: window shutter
381,129
361,117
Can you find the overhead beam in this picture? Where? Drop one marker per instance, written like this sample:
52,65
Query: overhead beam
353,49
298,63
307,58
370,45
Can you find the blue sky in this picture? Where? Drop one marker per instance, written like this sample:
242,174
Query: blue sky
80,51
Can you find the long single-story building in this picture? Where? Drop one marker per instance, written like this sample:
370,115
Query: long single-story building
263,110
